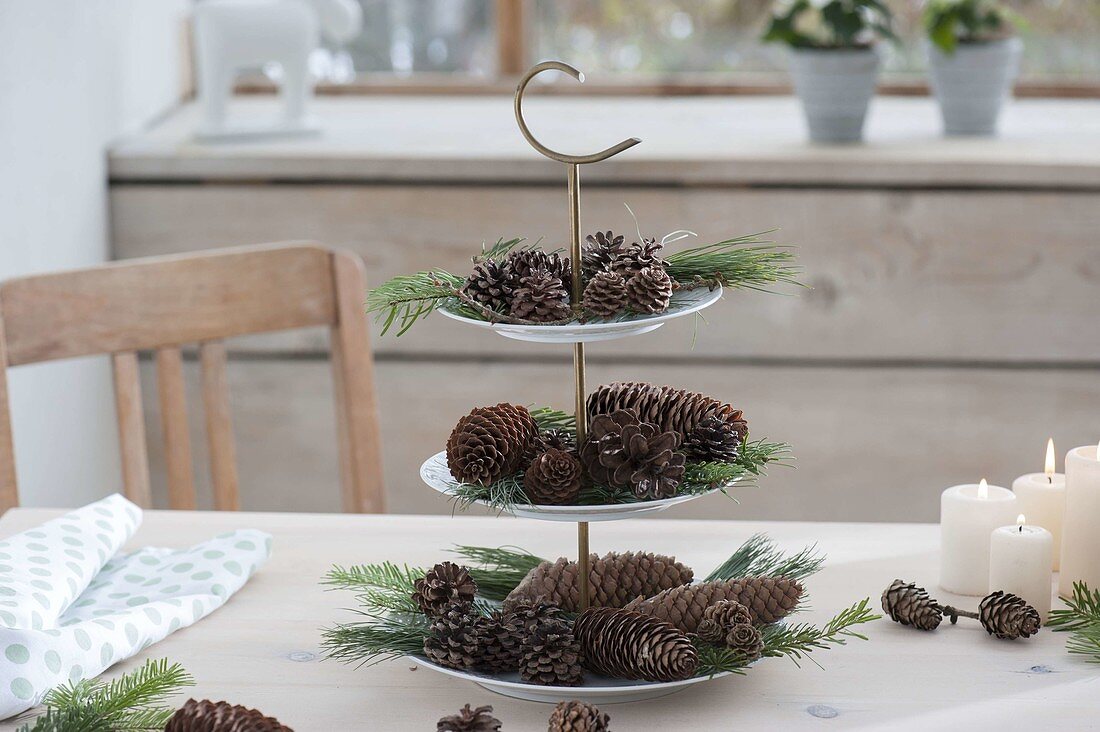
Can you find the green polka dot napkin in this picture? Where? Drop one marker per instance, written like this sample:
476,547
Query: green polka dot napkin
71,605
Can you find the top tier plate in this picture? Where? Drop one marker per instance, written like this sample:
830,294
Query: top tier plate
683,303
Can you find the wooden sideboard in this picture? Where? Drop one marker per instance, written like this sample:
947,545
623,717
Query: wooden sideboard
952,322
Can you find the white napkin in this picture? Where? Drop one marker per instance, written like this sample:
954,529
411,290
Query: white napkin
71,606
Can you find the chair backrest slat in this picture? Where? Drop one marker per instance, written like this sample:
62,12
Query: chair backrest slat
173,420
219,426
131,429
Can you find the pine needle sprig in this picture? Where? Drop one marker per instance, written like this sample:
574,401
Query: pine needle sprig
376,638
760,557
553,419
405,299
383,587
497,570
1081,618
748,262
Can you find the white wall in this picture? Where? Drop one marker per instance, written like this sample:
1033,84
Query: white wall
74,75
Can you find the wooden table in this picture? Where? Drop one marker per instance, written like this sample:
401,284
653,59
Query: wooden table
261,649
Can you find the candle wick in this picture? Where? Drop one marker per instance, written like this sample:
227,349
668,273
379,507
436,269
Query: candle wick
1021,528
1050,479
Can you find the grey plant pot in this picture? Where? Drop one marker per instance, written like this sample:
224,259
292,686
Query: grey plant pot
972,83
835,87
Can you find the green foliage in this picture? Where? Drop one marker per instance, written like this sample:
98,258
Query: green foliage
836,24
375,638
1081,618
951,22
553,419
384,587
747,262
497,570
132,702
408,298
759,556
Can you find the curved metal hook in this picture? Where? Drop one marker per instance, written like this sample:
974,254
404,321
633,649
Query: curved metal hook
552,154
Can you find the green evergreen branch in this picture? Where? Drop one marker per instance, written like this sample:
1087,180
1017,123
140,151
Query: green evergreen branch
1081,618
384,587
746,262
497,571
760,557
375,639
408,298
553,419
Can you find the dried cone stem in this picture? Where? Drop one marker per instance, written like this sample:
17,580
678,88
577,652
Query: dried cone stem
628,645
767,598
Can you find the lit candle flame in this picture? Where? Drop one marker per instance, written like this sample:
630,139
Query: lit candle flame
1051,466
983,486
1020,523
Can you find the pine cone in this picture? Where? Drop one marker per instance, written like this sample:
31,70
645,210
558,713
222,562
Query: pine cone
486,285
638,257
553,477
523,263
628,645
578,716
1007,616
208,716
469,720
559,439
622,452
713,440
541,297
500,640
767,598
551,655
649,291
491,442
615,579
526,615
672,410
445,583
746,640
720,618
604,295
908,604
600,249
455,637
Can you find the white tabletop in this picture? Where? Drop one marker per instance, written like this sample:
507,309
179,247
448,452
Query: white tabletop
261,649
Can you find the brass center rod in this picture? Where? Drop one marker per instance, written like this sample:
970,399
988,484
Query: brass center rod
580,410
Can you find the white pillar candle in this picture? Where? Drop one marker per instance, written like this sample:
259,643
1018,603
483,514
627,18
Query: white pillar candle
1081,526
968,515
1019,562
1042,498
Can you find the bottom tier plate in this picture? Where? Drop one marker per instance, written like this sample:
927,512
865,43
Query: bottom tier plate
595,689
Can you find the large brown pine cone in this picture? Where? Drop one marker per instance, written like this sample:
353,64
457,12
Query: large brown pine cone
746,640
628,645
637,257
486,285
672,410
615,579
553,477
525,615
720,618
443,584
713,439
767,598
541,297
604,295
578,716
469,720
551,655
600,249
500,640
522,263
455,637
649,291
910,605
1007,616
491,442
622,452
208,716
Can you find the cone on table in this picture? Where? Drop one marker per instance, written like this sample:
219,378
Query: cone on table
605,295
480,719
713,440
637,257
720,618
1007,616
541,297
600,250
487,285
578,716
553,477
208,716
908,604
551,655
767,599
672,410
455,637
442,585
491,442
628,645
614,579
522,263
622,452
746,640
649,291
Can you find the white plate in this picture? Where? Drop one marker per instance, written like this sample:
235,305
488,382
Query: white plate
595,689
683,303
436,474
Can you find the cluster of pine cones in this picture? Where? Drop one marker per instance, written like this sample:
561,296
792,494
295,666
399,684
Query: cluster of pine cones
568,716
533,285
639,438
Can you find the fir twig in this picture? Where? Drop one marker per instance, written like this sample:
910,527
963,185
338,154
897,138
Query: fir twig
747,262
408,298
384,587
497,571
376,638
760,557
553,419
1081,618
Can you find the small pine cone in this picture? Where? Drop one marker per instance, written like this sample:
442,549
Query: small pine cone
445,583
672,410
469,720
522,263
746,640
578,716
600,249
908,604
455,637
486,285
551,655
559,439
628,645
649,291
491,442
713,440
615,579
767,598
604,295
720,618
525,615
541,297
208,716
638,257
622,452
500,641
1007,616
553,477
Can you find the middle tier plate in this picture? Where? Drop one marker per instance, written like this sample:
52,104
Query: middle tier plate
438,476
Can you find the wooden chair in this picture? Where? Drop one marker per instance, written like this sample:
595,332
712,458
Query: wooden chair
162,303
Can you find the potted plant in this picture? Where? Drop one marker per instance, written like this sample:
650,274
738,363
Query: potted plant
834,60
973,57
